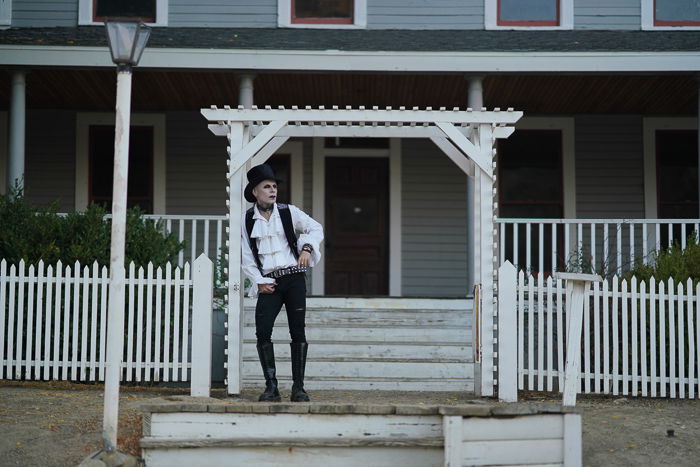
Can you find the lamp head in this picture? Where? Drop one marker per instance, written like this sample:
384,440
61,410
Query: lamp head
127,41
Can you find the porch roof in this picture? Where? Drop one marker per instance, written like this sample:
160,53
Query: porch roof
373,39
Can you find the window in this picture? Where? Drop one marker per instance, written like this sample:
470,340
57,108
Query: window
281,166
153,12
101,150
670,14
528,14
322,13
677,174
5,12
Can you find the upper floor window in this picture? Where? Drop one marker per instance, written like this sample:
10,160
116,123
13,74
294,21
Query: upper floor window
528,14
5,13
322,13
153,12
670,14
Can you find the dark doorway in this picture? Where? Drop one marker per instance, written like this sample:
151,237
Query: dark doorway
357,226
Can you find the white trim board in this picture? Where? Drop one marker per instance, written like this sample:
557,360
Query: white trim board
284,17
335,60
566,17
3,153
650,125
568,134
320,152
85,9
83,122
648,20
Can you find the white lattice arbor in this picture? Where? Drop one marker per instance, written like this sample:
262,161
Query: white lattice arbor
467,137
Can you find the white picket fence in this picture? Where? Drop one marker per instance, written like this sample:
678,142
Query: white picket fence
639,338
53,322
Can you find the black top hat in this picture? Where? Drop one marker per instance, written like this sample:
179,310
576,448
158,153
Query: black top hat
256,175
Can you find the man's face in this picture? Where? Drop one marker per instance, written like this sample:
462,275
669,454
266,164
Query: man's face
265,192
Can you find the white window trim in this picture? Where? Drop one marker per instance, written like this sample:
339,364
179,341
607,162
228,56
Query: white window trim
5,13
650,126
320,152
566,19
284,17
648,20
85,13
567,127
3,153
82,150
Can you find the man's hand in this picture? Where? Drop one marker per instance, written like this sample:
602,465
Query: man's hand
267,288
304,259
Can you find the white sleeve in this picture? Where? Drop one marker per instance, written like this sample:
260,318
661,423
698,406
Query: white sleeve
250,268
310,231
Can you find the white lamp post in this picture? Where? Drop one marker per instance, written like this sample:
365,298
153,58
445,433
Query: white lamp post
127,40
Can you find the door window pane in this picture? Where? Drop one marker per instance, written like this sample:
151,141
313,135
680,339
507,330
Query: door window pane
528,12
322,11
677,173
676,12
134,9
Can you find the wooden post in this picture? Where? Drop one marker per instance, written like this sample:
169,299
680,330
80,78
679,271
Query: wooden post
507,334
576,287
573,453
452,434
16,146
202,313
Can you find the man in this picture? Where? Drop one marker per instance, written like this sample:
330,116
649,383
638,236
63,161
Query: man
275,259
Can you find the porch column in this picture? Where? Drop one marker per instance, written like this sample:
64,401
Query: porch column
15,163
475,100
697,78
245,91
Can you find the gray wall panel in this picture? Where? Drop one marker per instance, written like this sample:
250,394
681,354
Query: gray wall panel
425,14
223,13
195,166
609,167
604,14
47,13
434,224
50,158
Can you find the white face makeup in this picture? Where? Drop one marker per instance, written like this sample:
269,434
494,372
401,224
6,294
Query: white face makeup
265,192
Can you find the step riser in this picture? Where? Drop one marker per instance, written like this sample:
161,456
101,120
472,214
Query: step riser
359,350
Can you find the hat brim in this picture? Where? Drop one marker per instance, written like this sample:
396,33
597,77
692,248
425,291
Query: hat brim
248,191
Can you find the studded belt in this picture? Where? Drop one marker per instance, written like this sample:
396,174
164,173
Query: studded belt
285,272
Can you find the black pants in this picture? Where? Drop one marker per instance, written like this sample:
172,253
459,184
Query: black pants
290,291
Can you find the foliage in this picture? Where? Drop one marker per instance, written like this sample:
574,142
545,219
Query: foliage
674,262
36,233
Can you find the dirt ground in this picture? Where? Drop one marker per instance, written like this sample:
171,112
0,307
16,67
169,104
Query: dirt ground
59,424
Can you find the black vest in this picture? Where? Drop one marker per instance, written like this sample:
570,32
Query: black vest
286,216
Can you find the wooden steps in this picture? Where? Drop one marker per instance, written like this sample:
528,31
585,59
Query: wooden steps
388,344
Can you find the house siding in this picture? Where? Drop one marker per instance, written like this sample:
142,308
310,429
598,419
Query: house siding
609,166
434,227
604,14
47,13
195,166
425,14
223,13
50,158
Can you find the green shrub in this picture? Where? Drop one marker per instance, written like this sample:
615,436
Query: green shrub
674,262
39,233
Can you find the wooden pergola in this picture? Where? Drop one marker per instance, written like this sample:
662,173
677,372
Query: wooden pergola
467,137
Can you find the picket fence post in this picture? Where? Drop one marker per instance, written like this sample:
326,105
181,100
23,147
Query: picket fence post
202,315
507,334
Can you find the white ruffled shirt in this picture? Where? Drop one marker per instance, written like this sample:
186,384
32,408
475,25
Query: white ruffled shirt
273,248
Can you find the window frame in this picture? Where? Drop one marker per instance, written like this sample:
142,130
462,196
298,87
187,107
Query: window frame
649,20
491,15
359,17
86,10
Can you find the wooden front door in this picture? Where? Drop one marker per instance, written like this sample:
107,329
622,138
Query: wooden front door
357,226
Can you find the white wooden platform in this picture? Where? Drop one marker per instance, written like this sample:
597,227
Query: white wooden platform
374,343
192,432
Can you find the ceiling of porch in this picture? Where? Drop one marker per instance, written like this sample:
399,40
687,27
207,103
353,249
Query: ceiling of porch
94,90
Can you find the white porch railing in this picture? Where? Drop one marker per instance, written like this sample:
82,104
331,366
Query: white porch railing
607,246
639,338
201,234
53,321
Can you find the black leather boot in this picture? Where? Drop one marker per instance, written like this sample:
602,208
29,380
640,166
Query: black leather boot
266,352
299,350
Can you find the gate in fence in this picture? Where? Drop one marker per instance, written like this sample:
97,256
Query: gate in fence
640,338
